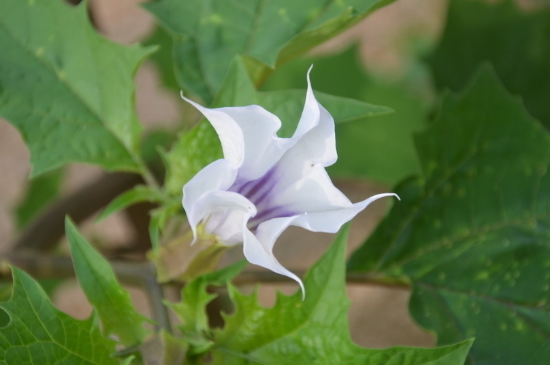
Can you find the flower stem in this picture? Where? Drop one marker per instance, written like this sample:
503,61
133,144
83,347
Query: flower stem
148,177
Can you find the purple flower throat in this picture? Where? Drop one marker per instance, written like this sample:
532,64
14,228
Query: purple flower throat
262,192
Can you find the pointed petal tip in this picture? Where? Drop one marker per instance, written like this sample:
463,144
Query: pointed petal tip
196,105
299,281
308,76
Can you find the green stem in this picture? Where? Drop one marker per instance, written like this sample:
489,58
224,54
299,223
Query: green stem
148,176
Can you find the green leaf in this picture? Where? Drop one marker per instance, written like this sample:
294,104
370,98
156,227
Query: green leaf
138,194
193,150
128,360
37,333
192,308
516,43
40,191
381,148
207,35
163,57
312,331
111,301
472,232
68,91
200,146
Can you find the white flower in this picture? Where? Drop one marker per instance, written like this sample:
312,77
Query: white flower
265,183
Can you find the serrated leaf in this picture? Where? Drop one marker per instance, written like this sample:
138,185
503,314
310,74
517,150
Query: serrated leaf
200,146
193,150
472,232
515,42
38,333
208,35
192,308
68,91
312,331
138,194
111,301
40,191
381,148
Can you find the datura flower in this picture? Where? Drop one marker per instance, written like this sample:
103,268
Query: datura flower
266,183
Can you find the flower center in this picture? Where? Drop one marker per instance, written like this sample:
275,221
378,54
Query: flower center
262,193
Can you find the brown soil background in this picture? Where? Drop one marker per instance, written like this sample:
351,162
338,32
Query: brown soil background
379,316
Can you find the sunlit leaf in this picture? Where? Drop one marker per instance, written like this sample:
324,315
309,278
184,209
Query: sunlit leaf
68,91
111,301
37,333
312,331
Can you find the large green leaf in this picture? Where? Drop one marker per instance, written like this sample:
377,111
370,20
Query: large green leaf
516,43
208,34
68,91
200,146
37,333
381,148
312,331
472,233
111,301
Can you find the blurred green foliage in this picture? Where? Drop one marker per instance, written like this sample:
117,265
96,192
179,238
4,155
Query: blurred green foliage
515,42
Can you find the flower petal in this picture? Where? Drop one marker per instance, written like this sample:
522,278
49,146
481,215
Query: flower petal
249,137
261,252
219,175
313,143
321,206
330,221
315,131
229,211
